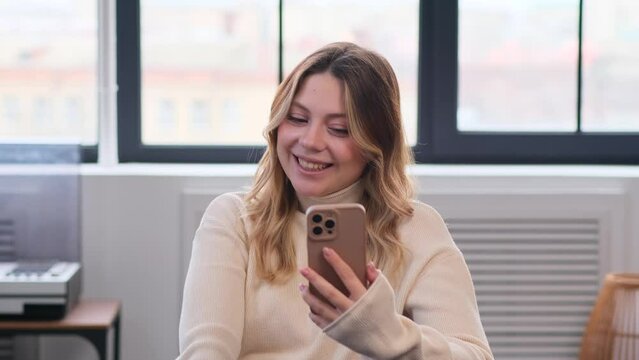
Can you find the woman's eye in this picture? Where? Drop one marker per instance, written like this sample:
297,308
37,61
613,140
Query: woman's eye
296,120
339,131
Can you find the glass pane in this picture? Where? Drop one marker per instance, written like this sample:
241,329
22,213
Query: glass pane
388,27
518,65
48,71
610,66
209,70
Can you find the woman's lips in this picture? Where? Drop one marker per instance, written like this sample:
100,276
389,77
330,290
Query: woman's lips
310,165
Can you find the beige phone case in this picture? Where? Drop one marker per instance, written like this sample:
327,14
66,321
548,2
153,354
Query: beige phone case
342,227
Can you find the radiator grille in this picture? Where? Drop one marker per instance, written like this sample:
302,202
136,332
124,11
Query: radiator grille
7,239
7,253
536,282
6,348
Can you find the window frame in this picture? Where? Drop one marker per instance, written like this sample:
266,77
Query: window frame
129,73
87,153
441,142
438,140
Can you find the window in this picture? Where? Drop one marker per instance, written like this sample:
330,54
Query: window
232,119
611,77
524,51
200,117
216,50
482,81
186,51
525,87
73,112
11,114
48,54
233,55
43,118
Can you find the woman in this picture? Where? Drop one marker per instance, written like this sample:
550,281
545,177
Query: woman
335,135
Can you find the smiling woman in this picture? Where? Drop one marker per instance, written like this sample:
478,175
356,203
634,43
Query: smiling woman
335,135
314,147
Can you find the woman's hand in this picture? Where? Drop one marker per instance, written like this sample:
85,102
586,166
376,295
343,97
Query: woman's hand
323,313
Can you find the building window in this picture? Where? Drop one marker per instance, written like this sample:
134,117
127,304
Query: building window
48,50
214,50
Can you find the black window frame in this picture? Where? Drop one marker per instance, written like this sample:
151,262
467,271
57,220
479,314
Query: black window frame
130,146
89,153
443,143
438,141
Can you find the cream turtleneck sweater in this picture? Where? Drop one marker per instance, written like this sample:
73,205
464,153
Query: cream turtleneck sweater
430,312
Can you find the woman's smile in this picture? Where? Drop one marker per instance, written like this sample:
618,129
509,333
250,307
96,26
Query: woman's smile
312,166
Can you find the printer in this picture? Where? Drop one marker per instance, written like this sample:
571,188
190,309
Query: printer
38,289
40,228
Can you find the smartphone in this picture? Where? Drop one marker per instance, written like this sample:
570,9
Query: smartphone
342,227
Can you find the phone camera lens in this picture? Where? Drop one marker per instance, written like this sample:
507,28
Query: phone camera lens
317,230
330,224
317,218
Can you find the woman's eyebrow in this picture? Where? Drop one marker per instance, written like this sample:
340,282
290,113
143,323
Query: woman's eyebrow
329,116
297,104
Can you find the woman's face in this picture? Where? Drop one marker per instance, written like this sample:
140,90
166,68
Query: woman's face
314,145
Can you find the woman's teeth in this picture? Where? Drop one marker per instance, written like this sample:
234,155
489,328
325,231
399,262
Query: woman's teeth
311,166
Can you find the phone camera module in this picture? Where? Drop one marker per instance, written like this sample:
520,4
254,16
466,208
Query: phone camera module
317,230
317,218
329,224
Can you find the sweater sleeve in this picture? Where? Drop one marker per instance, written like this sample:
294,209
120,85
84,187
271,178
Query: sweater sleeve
444,320
212,318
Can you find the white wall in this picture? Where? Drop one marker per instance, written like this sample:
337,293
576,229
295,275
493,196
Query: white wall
133,226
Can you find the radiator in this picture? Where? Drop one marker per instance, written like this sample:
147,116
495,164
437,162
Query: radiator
7,253
537,259
536,281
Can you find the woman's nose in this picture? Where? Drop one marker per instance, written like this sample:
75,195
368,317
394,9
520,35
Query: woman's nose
313,138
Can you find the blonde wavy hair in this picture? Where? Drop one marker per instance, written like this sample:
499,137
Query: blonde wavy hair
374,120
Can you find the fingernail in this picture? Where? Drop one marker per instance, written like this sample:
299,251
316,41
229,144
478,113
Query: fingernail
371,265
304,271
327,251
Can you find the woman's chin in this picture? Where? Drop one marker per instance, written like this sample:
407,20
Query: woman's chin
309,192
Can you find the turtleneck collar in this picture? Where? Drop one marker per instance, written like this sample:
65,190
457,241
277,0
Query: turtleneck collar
350,194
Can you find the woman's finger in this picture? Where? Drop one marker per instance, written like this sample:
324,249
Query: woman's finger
318,320
345,273
326,289
318,307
